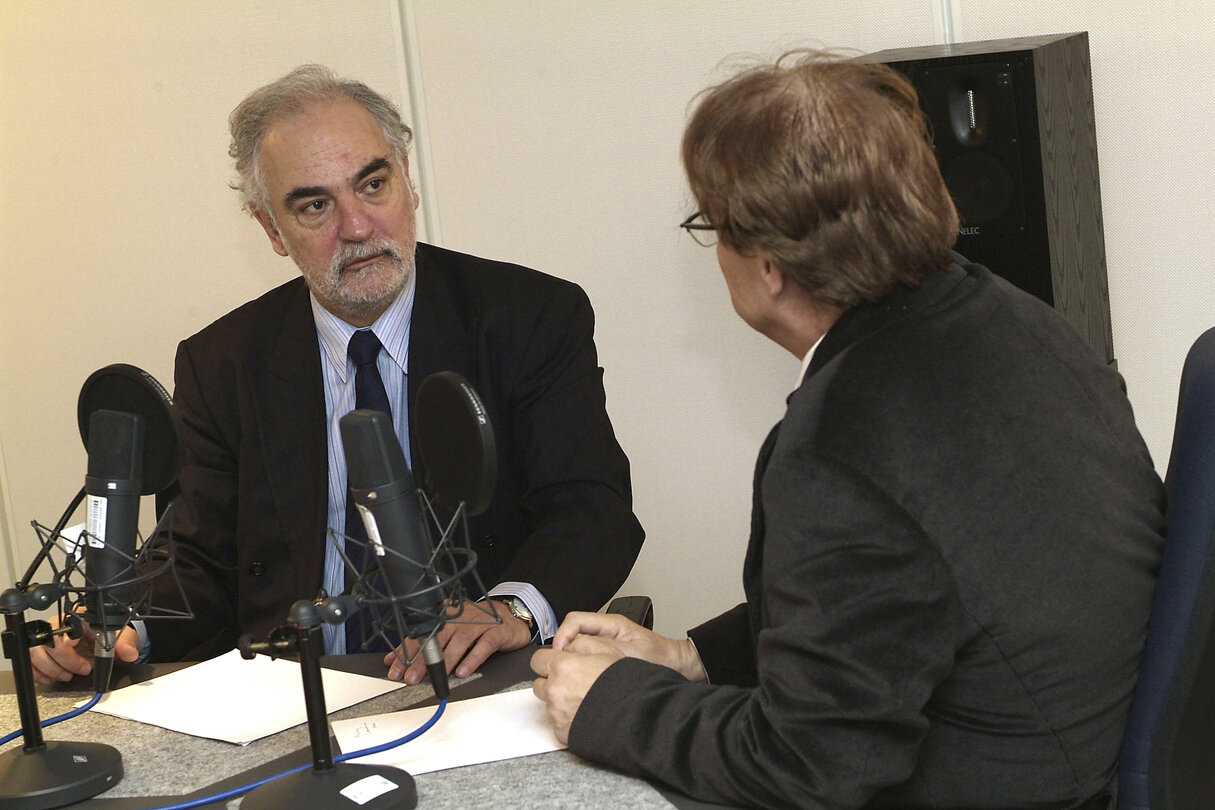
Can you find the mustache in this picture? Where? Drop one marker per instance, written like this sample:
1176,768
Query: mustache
348,254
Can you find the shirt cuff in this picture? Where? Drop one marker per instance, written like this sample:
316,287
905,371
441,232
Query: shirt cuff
541,610
142,641
692,641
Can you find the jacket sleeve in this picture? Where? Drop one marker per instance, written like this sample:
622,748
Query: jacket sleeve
725,648
575,494
859,621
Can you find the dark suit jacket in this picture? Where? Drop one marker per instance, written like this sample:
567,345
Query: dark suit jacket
955,536
250,516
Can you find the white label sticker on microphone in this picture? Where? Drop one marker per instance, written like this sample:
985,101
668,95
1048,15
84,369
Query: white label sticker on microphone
95,509
373,529
367,789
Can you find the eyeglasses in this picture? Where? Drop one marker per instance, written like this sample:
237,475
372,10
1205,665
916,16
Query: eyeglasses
700,229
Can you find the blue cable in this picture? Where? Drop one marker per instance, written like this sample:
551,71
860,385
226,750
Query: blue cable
238,791
419,731
66,716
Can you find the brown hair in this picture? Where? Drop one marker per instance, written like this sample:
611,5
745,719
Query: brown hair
827,164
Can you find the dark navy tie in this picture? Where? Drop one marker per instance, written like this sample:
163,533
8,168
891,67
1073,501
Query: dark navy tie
369,390
369,394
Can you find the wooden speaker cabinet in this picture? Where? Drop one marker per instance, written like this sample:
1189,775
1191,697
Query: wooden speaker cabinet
1014,134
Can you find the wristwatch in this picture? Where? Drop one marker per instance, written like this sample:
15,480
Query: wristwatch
519,610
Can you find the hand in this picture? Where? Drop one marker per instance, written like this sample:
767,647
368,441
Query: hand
565,678
599,633
70,657
465,646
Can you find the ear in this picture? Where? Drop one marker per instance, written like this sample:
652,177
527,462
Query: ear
267,223
413,192
771,275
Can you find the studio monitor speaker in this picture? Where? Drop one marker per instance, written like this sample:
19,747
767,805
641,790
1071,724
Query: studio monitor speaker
1014,134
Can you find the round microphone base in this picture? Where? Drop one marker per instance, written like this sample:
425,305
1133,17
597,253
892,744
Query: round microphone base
369,787
58,774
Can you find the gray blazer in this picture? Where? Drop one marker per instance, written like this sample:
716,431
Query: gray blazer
955,537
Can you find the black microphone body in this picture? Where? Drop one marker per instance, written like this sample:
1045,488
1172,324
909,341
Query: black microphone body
382,487
113,486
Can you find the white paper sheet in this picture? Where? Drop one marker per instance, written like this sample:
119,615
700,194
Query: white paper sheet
485,729
238,701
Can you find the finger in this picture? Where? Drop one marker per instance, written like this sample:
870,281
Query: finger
579,623
541,660
455,646
73,654
459,644
46,671
402,651
591,645
416,673
126,647
413,674
395,661
126,651
487,645
60,664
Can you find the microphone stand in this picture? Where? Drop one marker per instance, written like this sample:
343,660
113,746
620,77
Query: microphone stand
44,774
327,784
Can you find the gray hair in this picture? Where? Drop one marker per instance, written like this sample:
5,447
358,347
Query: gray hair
304,85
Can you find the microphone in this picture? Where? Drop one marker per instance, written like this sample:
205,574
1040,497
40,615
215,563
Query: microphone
132,435
112,486
383,490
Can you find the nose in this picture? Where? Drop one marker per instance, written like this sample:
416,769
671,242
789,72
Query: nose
355,224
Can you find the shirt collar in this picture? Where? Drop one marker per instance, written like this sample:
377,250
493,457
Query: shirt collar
801,375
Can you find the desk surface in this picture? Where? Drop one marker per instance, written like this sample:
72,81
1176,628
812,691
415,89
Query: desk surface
162,766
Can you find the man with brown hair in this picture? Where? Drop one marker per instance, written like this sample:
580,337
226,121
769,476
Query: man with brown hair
956,524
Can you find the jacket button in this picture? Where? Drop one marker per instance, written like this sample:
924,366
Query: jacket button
257,569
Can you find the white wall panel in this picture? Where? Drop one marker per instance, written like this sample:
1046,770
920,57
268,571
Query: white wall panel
551,139
554,130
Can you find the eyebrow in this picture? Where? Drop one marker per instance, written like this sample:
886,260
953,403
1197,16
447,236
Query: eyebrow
304,192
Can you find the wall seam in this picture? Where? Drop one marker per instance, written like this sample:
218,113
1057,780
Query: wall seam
414,91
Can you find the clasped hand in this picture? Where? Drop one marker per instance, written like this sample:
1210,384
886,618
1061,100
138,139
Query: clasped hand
586,644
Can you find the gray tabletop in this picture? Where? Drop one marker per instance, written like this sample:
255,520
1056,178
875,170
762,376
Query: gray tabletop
162,766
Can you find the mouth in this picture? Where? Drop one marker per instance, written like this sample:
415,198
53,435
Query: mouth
362,262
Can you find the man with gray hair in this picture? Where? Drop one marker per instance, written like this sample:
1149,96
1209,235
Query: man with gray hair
323,167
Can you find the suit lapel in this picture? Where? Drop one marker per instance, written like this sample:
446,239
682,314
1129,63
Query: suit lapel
289,406
438,338
753,565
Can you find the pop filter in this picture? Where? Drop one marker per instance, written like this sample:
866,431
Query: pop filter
456,441
127,389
